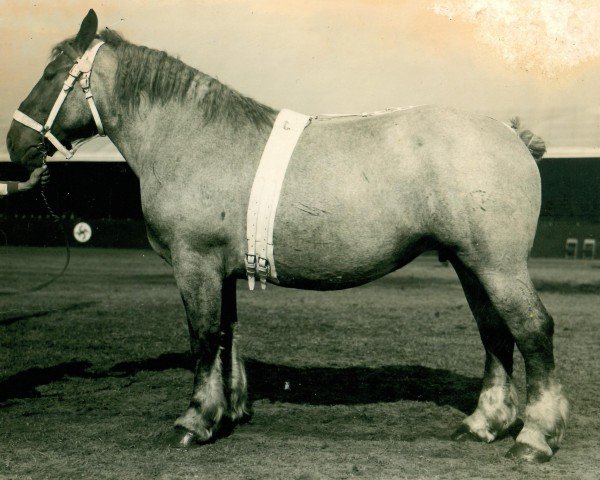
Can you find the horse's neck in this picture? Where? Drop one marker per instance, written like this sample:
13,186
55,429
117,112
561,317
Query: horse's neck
153,133
150,136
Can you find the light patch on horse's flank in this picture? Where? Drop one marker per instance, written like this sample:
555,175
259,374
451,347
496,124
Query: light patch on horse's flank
548,37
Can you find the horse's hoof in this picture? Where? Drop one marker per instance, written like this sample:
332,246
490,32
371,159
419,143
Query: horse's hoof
187,440
522,451
463,434
183,438
241,419
190,439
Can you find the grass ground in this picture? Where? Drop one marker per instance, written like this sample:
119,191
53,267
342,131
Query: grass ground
93,371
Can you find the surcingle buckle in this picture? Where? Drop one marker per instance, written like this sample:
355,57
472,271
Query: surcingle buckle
250,269
263,270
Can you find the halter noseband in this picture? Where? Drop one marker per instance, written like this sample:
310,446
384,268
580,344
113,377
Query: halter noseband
82,68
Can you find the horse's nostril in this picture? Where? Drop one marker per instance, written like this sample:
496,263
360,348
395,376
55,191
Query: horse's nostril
9,143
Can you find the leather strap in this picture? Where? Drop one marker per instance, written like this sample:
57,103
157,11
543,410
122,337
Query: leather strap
332,116
6,188
89,57
31,123
265,192
62,96
12,187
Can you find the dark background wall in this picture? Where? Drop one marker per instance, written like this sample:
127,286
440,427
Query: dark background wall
570,205
571,189
106,195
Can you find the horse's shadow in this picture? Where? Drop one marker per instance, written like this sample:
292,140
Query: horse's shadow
303,385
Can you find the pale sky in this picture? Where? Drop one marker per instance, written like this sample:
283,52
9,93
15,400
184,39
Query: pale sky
503,57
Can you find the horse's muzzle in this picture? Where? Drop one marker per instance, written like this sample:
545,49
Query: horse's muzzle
27,147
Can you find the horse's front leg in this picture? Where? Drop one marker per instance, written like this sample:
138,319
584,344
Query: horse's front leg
200,279
234,374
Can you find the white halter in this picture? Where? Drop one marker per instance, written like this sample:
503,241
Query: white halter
82,68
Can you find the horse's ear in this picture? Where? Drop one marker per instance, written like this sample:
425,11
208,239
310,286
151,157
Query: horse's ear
87,32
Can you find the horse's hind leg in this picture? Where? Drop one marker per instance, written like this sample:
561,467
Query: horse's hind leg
497,406
513,298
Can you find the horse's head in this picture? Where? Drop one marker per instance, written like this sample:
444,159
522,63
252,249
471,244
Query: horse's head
41,125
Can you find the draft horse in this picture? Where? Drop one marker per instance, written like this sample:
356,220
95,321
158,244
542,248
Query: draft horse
362,197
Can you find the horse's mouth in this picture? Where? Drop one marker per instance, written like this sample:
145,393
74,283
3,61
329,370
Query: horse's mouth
35,155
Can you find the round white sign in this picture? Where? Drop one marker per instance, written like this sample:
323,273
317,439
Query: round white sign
82,232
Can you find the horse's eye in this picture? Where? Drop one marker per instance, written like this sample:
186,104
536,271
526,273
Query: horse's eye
49,73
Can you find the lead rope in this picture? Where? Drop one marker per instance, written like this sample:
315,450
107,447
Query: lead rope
56,219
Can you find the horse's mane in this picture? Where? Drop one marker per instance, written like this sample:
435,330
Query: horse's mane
163,78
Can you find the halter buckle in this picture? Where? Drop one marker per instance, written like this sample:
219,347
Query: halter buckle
84,65
84,81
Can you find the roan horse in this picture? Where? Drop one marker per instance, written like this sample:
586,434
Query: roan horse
362,197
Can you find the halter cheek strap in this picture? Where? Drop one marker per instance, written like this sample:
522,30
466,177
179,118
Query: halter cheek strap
81,70
31,123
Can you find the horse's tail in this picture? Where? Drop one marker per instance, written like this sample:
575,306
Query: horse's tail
535,144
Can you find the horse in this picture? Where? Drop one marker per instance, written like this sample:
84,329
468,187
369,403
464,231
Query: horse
362,197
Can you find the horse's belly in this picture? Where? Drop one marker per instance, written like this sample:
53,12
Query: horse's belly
327,266
331,239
